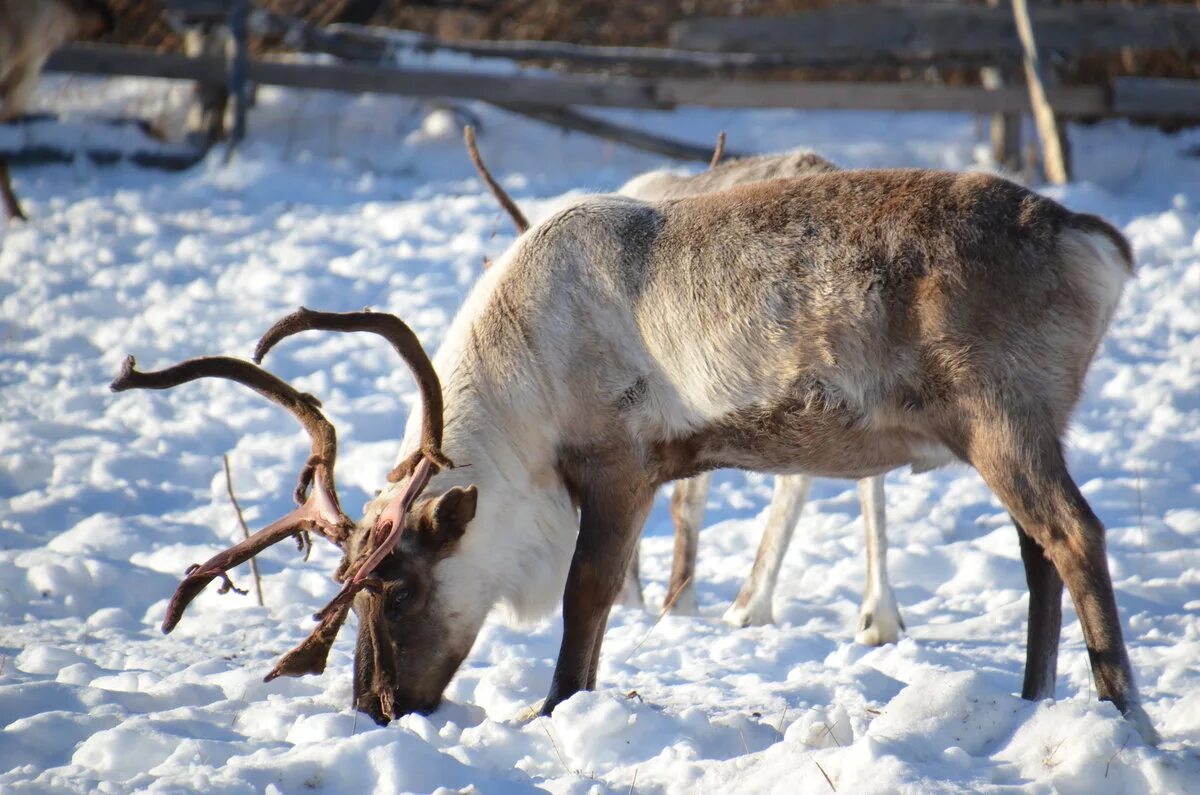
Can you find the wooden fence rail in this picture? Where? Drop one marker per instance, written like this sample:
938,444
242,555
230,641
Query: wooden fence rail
899,33
1130,96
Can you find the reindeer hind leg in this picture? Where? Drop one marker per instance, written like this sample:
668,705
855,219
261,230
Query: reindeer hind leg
879,617
687,514
1024,467
753,604
12,207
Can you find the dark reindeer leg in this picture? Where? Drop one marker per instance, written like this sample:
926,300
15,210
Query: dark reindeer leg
1045,619
610,524
597,642
1027,472
12,207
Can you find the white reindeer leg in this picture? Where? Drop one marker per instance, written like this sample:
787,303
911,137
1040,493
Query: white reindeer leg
753,603
879,619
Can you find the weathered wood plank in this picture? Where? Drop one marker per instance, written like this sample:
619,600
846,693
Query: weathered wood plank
1073,100
519,89
355,78
570,119
1156,96
922,32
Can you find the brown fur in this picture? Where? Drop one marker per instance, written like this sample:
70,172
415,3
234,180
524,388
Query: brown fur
898,268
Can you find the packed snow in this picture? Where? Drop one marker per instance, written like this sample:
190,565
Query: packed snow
337,203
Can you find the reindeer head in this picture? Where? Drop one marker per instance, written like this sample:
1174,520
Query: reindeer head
409,643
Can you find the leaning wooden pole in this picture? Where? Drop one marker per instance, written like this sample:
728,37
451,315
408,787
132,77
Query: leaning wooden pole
1054,154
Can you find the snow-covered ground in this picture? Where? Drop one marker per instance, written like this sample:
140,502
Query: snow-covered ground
339,203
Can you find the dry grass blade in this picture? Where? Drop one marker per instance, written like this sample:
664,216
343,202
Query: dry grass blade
828,780
667,605
554,745
258,593
1108,764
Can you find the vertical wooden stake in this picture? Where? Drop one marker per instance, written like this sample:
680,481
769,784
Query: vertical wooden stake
1054,154
239,14
206,116
1005,128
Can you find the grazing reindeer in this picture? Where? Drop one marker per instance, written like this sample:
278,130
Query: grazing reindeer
29,31
839,324
879,618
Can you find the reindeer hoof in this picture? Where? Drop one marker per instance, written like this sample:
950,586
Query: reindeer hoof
879,621
752,615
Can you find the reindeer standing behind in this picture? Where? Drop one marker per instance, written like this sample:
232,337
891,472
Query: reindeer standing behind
29,31
879,618
840,324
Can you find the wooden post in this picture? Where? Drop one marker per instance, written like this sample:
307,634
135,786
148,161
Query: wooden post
239,14
1054,149
1004,128
206,116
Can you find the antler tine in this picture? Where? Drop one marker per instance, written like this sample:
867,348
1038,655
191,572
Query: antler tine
405,342
718,151
320,512
514,212
310,656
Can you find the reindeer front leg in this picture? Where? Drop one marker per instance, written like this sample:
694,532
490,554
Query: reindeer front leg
611,515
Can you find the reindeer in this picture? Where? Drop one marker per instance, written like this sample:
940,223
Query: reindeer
879,617
840,324
29,31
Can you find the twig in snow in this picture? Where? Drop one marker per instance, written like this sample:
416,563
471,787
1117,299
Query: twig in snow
554,745
832,736
240,706
1114,755
667,605
828,780
245,532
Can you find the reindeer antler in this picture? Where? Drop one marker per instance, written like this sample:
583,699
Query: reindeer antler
405,342
319,511
514,212
310,655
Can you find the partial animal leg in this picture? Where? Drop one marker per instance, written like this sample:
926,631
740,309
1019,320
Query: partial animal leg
879,619
1027,472
12,207
688,501
597,642
1045,619
631,591
753,603
610,522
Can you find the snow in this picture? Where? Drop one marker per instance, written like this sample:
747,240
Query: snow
342,202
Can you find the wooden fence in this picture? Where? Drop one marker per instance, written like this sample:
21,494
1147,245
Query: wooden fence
718,67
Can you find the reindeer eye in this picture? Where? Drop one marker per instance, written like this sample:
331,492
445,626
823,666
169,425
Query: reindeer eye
401,595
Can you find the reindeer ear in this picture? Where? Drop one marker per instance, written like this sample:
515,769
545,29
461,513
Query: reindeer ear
451,514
